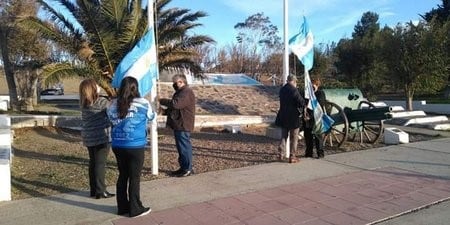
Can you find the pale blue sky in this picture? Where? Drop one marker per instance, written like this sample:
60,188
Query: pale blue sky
329,20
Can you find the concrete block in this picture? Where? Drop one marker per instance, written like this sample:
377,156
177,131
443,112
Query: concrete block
428,119
398,114
395,136
5,122
5,137
232,128
396,108
5,173
5,177
4,105
5,153
273,132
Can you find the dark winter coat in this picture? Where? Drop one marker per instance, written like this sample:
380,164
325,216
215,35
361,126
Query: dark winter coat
289,115
181,109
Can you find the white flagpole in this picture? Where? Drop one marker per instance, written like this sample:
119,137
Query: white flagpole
286,59
153,93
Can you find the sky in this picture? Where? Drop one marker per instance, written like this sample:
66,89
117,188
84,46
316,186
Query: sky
329,20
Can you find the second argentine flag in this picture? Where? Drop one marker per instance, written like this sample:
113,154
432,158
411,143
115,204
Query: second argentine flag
140,63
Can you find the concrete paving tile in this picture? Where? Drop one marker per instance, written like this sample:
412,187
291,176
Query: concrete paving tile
442,185
174,216
423,182
317,184
371,183
377,194
270,206
294,188
387,207
397,189
386,180
316,196
423,198
292,216
343,219
342,189
144,220
265,219
314,222
406,202
208,214
292,200
233,207
398,174
272,192
317,209
339,180
251,198
340,204
367,214
435,192
358,199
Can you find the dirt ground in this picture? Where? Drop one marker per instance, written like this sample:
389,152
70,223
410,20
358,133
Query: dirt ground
49,160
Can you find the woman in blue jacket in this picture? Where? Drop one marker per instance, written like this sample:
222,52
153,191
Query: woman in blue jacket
129,114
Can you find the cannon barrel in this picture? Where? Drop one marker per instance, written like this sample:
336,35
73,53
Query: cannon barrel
366,114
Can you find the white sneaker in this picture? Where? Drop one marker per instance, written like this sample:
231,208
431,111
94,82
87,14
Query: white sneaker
147,211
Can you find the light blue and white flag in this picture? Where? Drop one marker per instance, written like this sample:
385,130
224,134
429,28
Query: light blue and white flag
323,122
140,63
302,45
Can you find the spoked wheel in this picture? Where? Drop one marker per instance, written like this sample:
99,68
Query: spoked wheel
366,131
337,135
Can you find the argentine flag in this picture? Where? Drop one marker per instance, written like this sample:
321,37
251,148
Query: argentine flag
302,45
140,63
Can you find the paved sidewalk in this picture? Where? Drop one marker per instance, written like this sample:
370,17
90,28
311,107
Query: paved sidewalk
349,188
363,197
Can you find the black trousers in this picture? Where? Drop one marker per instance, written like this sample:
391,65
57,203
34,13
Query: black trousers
130,163
312,140
97,164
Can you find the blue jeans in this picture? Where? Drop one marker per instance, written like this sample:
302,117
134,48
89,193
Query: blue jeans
184,147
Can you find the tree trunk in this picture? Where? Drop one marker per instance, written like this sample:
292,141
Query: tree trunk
409,93
35,92
9,73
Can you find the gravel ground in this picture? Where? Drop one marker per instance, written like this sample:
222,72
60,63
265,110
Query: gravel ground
50,160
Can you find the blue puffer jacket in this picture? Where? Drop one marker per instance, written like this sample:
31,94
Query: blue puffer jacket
130,132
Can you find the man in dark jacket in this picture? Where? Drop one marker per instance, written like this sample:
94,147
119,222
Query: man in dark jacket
289,117
181,118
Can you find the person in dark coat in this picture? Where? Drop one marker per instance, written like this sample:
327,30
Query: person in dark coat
181,118
289,117
312,139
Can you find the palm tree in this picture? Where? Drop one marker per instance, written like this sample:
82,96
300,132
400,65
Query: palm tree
98,34
175,47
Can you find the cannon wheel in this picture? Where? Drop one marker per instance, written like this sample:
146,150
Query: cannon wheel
337,135
367,131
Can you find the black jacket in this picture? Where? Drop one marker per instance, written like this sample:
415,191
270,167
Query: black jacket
321,98
289,115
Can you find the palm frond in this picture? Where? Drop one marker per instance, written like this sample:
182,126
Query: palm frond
53,73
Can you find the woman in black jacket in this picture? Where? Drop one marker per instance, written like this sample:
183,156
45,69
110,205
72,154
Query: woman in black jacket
312,139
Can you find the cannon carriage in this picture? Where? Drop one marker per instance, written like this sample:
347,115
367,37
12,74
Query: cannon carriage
355,118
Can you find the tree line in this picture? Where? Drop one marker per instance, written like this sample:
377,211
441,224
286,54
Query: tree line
45,41
412,57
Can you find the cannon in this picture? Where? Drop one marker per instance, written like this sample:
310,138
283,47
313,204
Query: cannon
355,119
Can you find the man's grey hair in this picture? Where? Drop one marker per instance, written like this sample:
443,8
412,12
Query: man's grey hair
177,77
